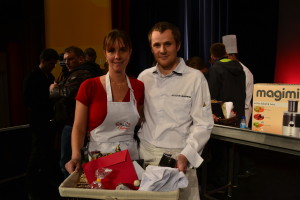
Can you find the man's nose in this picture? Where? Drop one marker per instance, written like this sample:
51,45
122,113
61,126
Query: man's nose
162,49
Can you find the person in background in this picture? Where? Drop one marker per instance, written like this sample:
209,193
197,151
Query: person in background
231,48
64,70
245,164
64,95
178,116
226,81
90,55
43,175
197,62
107,106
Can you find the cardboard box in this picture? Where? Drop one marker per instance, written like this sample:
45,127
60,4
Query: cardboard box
270,102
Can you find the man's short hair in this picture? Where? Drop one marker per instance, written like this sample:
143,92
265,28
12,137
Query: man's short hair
162,27
90,52
218,50
77,51
49,54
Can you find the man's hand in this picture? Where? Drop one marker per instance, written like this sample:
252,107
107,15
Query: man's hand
182,163
52,86
216,119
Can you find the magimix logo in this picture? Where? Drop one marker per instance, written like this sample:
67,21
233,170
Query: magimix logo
278,94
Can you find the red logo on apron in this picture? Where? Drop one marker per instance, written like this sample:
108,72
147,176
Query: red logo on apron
123,125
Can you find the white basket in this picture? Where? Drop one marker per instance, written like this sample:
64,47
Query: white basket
68,189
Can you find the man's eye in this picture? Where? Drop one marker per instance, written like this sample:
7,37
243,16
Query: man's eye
156,45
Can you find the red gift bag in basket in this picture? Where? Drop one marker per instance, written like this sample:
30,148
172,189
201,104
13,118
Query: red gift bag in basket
122,170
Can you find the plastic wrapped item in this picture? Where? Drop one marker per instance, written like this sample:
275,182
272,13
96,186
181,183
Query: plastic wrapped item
122,186
100,174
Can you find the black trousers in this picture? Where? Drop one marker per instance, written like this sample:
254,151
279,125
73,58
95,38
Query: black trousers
43,174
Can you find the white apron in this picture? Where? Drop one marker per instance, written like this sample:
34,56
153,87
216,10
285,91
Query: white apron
152,156
118,126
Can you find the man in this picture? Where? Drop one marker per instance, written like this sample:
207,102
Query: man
197,62
43,175
246,166
231,48
177,109
64,93
90,55
226,79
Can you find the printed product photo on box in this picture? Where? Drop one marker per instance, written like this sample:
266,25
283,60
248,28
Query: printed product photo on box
275,109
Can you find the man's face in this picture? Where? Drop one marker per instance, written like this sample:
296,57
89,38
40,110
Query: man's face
232,56
164,49
48,66
72,61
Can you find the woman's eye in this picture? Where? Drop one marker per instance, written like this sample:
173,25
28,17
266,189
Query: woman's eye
123,49
111,50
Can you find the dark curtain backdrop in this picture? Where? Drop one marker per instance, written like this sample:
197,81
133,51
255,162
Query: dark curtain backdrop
203,22
120,13
21,41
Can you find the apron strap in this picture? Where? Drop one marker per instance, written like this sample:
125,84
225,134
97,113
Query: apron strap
109,92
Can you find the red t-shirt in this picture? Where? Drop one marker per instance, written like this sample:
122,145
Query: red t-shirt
92,94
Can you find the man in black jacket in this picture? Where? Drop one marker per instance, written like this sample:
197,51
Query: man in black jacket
43,174
226,81
65,92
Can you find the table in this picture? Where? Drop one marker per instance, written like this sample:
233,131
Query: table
248,137
269,141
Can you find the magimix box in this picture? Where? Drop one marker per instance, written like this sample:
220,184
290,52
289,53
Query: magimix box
275,105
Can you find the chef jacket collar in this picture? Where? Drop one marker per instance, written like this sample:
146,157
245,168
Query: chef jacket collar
177,71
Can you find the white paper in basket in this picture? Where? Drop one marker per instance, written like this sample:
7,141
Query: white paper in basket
161,179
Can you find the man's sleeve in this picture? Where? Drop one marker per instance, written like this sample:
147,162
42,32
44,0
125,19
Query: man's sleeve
71,86
202,124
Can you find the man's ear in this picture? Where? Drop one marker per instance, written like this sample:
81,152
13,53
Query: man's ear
178,46
43,61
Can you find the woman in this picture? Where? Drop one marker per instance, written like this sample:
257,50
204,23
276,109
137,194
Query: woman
107,106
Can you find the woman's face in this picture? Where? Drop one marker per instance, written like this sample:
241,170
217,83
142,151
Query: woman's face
118,56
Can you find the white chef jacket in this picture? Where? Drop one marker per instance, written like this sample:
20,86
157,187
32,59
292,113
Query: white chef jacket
177,111
249,93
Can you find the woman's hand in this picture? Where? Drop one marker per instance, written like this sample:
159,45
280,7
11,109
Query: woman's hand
73,165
